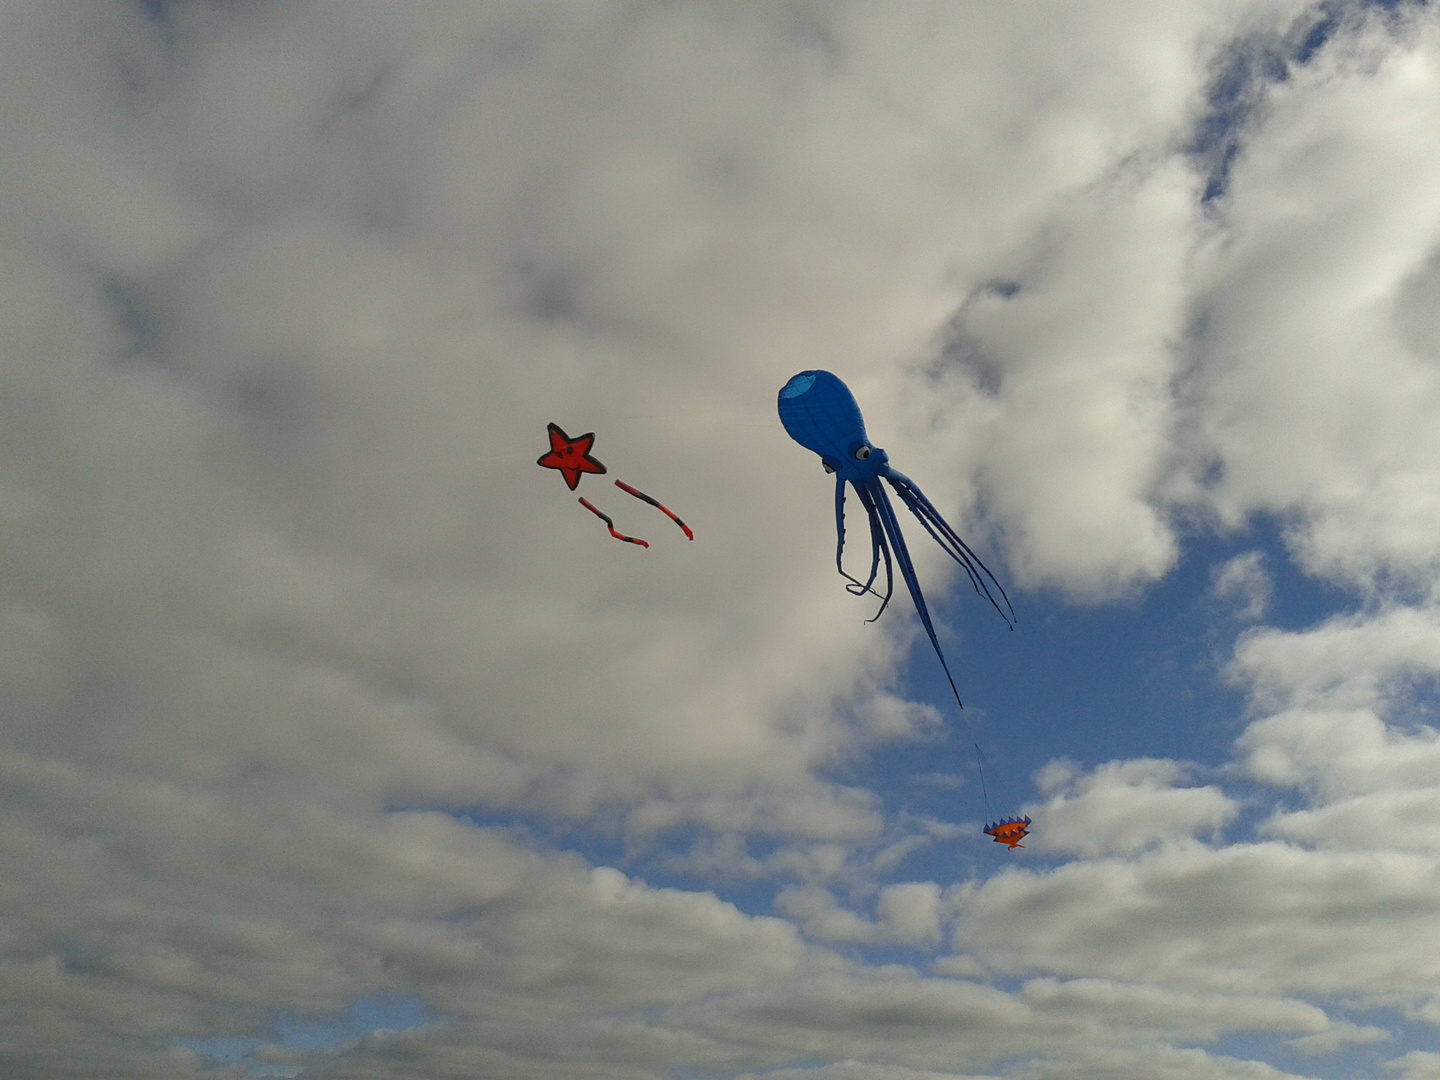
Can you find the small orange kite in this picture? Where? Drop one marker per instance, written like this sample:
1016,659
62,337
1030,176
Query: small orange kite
1009,831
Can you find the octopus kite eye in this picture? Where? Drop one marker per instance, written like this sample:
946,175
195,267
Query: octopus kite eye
862,452
827,466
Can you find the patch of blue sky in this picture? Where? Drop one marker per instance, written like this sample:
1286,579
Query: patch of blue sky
223,1049
377,1012
1142,678
1342,1063
300,1033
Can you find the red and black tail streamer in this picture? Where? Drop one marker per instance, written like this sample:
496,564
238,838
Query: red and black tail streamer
611,524
658,506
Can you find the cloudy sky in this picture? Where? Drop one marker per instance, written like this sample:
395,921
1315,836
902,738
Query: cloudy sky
338,740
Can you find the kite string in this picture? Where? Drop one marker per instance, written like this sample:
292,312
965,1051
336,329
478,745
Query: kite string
984,791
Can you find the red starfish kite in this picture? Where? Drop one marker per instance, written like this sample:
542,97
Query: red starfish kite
570,456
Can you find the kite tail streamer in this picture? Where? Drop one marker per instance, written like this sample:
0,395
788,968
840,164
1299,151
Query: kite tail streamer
611,524
658,506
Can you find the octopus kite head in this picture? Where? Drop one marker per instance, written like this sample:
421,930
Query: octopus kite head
820,413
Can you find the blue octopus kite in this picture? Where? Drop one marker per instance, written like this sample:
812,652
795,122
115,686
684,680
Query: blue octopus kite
820,414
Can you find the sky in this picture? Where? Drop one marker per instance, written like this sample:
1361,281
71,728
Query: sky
338,741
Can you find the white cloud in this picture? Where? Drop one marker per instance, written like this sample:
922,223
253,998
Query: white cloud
820,812
822,918
1344,662
1123,806
1244,582
906,914
1340,703
1397,820
1338,1035
1416,1065
911,912
1080,438
1190,1016
1319,377
1247,918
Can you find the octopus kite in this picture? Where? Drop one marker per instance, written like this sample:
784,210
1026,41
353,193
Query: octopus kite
820,414
573,459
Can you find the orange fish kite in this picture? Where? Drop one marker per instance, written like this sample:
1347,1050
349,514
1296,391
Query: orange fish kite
1009,831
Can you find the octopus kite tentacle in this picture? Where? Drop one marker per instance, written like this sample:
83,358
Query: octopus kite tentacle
907,570
878,548
950,542
840,534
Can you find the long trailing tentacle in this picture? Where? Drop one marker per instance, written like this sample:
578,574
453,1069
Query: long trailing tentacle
840,528
949,540
907,569
855,586
878,547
